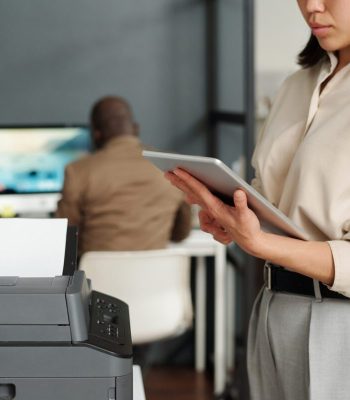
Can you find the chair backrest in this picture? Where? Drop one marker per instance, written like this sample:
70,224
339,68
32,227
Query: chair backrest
154,283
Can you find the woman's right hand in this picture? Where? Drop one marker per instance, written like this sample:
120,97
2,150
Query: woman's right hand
226,223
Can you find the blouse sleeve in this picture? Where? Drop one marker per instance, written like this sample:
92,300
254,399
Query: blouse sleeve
341,257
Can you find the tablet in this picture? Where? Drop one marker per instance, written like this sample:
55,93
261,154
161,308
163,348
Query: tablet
223,181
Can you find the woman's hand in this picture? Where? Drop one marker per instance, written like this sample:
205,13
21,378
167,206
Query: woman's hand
226,223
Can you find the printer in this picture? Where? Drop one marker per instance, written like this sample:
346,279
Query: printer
60,340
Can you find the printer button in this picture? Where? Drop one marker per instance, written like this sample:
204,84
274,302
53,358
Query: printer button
120,332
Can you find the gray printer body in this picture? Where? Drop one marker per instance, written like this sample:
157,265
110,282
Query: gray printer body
60,340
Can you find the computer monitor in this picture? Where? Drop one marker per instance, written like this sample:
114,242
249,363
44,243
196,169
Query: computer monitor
32,162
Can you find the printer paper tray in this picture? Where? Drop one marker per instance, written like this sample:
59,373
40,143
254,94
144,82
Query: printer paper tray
66,388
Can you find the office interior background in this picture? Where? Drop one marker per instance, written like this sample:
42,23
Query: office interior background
175,61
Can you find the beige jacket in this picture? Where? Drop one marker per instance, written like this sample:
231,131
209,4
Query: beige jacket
120,201
302,159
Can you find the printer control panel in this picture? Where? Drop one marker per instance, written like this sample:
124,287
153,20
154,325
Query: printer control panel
110,324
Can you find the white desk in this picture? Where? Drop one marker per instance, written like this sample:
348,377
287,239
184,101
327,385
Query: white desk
138,390
201,245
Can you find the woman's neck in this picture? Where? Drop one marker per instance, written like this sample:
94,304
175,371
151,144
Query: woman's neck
343,59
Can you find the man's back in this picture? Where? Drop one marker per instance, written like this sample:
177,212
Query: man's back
120,201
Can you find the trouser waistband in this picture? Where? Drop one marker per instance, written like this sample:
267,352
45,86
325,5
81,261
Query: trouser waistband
279,279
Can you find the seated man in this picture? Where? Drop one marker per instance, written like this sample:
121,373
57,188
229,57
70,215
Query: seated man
118,199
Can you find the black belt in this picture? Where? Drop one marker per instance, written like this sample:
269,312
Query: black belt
281,280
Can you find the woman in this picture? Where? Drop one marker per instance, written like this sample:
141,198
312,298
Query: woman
299,340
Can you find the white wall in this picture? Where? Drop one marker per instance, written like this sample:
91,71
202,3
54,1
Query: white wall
280,34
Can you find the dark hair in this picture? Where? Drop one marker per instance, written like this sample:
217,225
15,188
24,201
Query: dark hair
311,54
111,115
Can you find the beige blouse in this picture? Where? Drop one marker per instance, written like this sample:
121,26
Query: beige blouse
302,159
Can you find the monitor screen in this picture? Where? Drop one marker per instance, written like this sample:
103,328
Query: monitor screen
32,159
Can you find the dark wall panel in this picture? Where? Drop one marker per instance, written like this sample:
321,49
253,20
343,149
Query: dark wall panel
57,58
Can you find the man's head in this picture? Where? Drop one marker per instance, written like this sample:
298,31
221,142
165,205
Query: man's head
111,117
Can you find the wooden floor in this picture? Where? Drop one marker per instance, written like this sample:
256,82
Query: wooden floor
177,383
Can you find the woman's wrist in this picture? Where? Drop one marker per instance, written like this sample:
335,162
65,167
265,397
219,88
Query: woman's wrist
258,245
269,246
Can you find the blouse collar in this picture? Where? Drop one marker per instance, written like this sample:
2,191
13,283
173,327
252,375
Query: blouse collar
333,61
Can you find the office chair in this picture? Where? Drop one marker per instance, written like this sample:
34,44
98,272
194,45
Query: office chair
154,283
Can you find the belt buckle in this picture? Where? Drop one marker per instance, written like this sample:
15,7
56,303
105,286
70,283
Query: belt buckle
267,275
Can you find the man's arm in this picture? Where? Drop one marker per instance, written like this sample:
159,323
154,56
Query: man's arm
69,204
182,223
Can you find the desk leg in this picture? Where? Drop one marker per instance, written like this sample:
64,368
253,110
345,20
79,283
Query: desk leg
220,313
230,318
200,329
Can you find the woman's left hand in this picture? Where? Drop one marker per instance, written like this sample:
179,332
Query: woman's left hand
226,223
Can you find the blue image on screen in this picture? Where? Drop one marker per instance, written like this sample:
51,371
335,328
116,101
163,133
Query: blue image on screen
32,160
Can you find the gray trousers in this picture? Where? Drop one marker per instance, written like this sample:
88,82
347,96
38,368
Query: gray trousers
298,348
